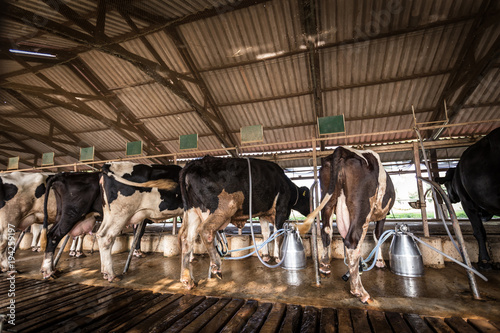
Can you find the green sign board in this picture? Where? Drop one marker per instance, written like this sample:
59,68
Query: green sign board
330,125
87,154
47,159
189,141
253,133
134,148
13,163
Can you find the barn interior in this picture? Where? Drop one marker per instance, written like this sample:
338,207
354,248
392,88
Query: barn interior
89,82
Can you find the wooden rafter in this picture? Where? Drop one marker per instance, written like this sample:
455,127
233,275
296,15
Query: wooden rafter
212,118
308,10
76,141
468,71
153,145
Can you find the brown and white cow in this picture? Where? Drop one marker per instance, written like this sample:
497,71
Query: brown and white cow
131,193
215,192
21,205
354,186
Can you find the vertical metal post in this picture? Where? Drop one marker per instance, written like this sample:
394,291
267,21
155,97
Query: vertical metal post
315,228
138,232
421,197
21,235
61,249
460,237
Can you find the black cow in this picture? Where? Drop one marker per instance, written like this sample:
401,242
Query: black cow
354,186
79,203
131,193
215,192
476,183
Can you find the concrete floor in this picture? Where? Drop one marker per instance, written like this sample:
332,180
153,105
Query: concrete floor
440,292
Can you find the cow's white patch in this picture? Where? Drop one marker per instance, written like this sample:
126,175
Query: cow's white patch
342,212
122,168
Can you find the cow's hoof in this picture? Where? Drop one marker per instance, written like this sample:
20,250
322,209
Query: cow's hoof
188,284
485,265
71,253
325,270
276,259
80,254
380,264
366,300
266,258
139,254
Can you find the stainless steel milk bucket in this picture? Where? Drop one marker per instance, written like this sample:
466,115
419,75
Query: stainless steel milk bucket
404,254
292,250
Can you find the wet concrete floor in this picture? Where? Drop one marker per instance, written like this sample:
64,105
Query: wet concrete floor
440,292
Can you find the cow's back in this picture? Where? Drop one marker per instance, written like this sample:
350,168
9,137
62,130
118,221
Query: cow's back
204,179
478,172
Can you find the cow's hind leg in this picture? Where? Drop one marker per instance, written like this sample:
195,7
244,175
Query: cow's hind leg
326,239
187,237
106,238
264,227
484,260
353,241
207,231
377,232
79,247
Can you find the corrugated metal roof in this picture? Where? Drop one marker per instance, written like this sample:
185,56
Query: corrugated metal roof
242,63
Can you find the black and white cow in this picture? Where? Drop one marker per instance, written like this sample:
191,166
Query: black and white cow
475,182
215,192
354,186
21,204
79,203
131,193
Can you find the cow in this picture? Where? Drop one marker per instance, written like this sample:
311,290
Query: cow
79,203
354,186
21,205
131,193
215,192
475,182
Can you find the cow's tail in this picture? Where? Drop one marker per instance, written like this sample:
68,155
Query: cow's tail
306,226
43,234
2,195
161,184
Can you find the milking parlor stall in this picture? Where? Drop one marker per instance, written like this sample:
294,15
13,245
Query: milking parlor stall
250,166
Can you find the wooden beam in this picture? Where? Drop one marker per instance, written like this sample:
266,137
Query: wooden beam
468,71
308,10
152,145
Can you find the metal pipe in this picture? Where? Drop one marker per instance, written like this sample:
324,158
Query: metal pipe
458,233
138,233
316,227
314,244
21,235
61,249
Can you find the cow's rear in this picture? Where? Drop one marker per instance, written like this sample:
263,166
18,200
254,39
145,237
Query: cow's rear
356,188
132,193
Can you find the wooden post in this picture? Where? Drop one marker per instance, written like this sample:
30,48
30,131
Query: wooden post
421,197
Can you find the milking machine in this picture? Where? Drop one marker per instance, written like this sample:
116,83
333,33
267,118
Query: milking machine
292,248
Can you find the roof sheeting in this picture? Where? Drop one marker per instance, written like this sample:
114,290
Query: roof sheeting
212,67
